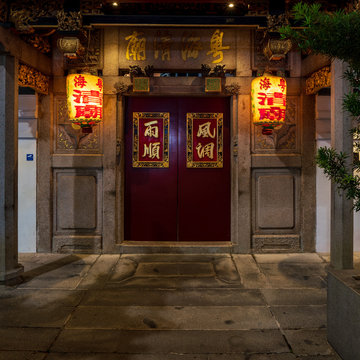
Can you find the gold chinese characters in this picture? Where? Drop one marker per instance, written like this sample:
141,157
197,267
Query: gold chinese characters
184,46
204,140
151,140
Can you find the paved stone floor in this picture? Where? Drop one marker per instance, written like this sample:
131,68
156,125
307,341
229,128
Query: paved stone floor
157,307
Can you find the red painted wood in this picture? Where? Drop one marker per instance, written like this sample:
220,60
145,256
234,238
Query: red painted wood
177,203
151,194
204,194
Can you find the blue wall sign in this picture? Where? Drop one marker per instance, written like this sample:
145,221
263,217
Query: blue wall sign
29,157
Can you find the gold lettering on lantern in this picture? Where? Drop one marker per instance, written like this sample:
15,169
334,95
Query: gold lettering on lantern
216,46
151,131
190,46
206,150
204,131
162,43
136,47
152,150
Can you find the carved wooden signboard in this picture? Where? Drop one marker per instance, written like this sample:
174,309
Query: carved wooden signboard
204,140
151,140
177,48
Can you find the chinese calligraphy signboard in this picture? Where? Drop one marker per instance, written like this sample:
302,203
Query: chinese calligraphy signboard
177,48
84,99
268,102
141,84
151,140
212,84
204,140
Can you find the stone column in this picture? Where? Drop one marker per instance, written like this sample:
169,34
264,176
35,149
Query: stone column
110,199
9,267
341,246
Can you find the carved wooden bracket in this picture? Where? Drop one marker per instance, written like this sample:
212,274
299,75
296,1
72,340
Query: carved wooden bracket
233,89
30,77
318,80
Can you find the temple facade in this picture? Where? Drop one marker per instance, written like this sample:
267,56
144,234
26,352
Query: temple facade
176,163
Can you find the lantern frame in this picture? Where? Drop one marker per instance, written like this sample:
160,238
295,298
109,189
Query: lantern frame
268,102
84,94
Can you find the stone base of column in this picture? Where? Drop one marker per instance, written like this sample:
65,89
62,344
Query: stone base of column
11,274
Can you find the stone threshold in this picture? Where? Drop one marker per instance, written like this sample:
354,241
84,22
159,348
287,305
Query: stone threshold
174,247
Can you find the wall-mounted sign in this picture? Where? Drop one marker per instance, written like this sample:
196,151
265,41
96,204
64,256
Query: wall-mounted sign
204,140
212,84
173,48
141,84
151,139
29,157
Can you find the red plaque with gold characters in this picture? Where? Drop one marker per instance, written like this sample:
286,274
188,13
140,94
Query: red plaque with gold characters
204,140
151,140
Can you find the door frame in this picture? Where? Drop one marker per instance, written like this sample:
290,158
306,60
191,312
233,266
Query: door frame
240,181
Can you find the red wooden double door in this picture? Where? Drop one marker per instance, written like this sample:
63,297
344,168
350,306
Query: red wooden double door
177,203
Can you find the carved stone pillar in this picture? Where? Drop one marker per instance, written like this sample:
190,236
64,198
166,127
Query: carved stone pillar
341,247
9,267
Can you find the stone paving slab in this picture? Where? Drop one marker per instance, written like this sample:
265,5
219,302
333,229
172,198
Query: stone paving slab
200,307
318,357
308,342
251,277
37,259
70,283
283,276
272,357
31,339
172,318
22,355
183,297
295,296
58,271
17,297
32,261
55,276
171,283
226,270
291,357
100,272
166,342
101,356
300,317
191,269
174,257
300,270
288,258
47,317
125,268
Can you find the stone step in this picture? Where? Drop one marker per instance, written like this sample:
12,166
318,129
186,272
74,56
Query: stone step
185,297
170,342
172,318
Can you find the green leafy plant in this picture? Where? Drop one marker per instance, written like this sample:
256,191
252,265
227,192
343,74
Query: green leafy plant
337,36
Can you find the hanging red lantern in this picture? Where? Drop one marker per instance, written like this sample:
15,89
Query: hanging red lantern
84,100
268,102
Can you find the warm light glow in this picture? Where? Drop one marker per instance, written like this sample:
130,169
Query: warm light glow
268,101
84,99
231,5
115,3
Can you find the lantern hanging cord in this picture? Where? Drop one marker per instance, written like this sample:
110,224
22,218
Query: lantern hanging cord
86,57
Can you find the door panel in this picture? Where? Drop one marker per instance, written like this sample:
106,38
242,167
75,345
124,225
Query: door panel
178,203
204,194
151,194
